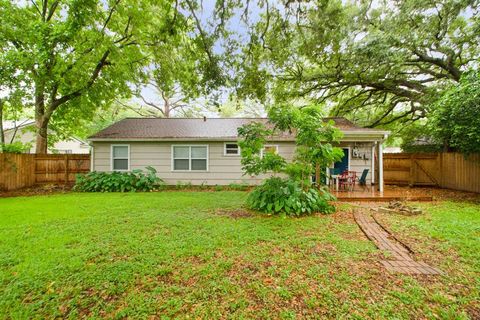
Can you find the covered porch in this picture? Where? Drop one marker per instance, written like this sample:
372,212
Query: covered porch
361,167
389,193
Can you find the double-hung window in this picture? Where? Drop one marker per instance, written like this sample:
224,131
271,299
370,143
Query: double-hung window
190,158
120,157
231,149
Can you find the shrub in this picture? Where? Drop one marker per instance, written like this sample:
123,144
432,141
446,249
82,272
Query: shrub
218,188
239,186
184,185
276,195
15,147
136,180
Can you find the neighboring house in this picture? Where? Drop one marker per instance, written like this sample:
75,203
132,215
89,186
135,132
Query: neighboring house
206,150
24,131
392,150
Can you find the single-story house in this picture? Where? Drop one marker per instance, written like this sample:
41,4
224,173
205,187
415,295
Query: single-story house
205,151
24,131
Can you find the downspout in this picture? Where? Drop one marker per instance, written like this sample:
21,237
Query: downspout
92,156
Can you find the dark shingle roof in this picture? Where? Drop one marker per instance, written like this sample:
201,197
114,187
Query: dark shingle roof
191,128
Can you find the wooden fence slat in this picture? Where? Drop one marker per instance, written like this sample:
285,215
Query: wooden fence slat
447,170
25,170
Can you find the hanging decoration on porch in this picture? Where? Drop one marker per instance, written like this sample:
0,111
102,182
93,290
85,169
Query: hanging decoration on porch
357,154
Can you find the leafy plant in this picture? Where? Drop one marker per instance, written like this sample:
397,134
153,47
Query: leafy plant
15,147
183,185
276,195
314,140
456,117
238,186
136,180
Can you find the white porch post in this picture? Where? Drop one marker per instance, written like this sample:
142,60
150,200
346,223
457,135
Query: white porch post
373,165
380,166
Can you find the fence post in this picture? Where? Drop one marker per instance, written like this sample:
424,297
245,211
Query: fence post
440,168
412,171
66,168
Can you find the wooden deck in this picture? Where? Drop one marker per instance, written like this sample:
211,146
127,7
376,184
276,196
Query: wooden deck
390,193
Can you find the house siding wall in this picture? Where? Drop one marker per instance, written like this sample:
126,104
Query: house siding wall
222,170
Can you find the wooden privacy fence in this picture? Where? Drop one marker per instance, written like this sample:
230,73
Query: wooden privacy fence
446,170
25,170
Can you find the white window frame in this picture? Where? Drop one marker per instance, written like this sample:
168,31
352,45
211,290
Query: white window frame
111,156
189,157
269,145
230,154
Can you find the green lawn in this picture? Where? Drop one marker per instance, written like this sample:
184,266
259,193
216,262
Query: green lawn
182,254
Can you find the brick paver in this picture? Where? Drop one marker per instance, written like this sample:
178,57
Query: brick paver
400,260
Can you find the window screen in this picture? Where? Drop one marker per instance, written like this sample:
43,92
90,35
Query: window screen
190,158
120,158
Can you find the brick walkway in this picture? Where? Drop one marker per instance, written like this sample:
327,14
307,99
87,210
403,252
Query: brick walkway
399,260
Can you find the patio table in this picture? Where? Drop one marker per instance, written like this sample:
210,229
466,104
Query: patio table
335,178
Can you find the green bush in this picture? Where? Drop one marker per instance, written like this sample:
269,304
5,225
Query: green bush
276,195
136,180
15,147
239,186
184,185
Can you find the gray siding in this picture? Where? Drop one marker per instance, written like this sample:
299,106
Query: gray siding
222,170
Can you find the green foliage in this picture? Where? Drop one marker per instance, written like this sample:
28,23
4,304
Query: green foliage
15,147
238,186
278,195
418,138
456,116
380,64
184,185
136,180
72,59
313,139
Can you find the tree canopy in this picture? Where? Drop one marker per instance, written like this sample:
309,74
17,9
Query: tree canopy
379,63
376,62
79,56
455,120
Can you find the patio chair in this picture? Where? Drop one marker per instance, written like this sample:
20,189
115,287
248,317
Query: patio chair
347,180
362,181
344,180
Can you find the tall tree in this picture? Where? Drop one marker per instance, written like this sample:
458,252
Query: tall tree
78,54
82,55
383,61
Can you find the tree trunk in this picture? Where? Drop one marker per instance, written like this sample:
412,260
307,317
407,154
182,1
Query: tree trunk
166,108
41,141
42,118
2,133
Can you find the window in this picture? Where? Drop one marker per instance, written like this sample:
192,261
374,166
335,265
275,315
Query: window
231,149
189,158
269,148
120,157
